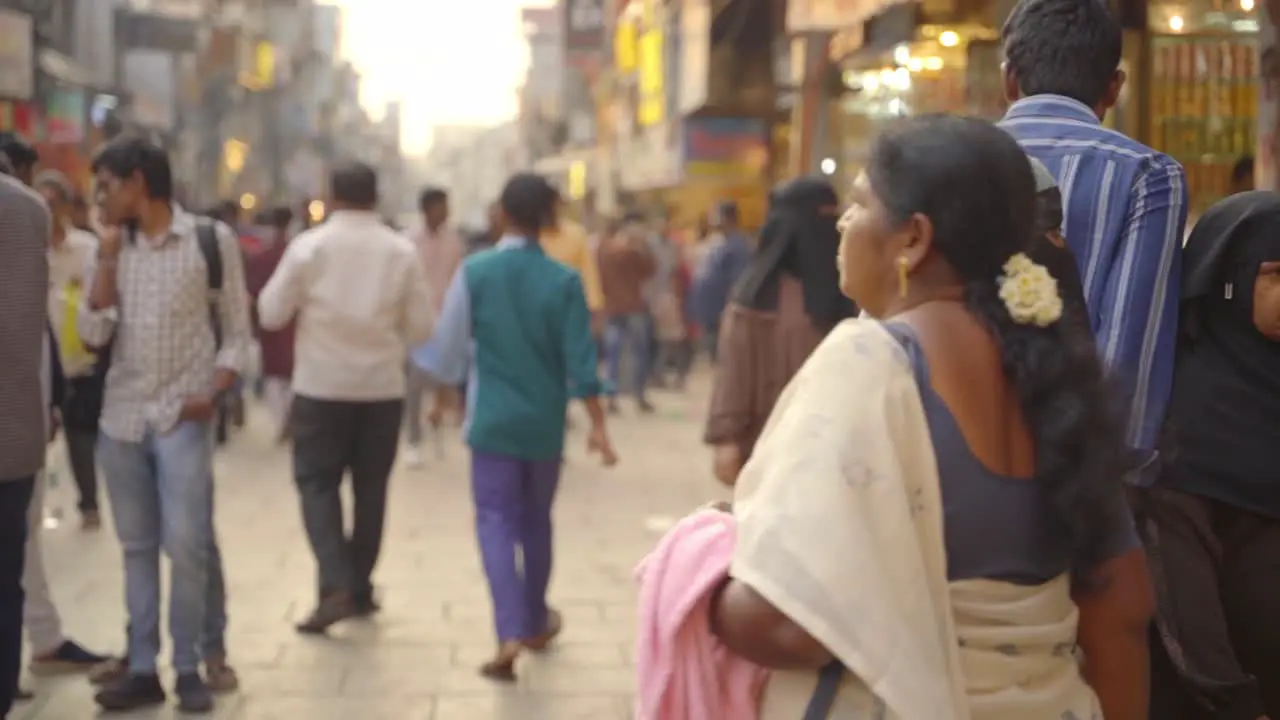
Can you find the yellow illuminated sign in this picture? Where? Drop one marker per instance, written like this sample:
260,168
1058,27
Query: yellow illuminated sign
653,98
577,180
263,73
624,47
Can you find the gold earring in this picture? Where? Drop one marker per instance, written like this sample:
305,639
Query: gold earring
903,265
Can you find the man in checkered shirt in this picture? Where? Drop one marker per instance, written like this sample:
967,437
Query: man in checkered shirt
149,300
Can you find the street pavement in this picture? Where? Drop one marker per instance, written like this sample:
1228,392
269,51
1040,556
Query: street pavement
417,660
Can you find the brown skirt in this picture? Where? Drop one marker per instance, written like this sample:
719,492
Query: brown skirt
1216,569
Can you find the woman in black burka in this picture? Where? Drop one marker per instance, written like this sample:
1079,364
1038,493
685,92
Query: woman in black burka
1211,523
785,303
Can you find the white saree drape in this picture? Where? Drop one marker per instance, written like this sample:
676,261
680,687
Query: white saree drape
840,527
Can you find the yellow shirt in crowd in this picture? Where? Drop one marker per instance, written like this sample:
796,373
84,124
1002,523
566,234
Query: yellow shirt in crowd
569,245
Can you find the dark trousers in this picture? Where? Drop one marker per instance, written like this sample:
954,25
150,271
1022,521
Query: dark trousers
1216,571
15,500
331,438
81,455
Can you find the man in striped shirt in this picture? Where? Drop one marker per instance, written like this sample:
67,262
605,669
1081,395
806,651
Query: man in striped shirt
1125,204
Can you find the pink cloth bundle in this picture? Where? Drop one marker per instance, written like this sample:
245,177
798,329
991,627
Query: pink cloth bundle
682,671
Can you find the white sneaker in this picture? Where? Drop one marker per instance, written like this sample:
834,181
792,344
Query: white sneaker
413,457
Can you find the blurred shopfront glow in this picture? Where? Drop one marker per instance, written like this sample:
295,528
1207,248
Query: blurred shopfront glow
248,201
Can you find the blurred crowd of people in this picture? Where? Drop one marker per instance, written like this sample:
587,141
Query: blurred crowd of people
999,441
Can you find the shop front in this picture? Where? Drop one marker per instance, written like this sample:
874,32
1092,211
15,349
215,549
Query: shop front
17,72
902,62
1202,93
63,143
724,159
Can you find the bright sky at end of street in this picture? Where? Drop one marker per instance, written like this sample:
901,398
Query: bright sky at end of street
448,61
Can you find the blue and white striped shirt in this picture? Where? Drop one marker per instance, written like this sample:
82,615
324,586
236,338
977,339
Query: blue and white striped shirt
1124,209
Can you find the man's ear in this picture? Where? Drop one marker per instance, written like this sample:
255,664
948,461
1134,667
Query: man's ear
1112,95
1012,92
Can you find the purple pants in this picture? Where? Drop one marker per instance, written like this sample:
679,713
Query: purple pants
513,500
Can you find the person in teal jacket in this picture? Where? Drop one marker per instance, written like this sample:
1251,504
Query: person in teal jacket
515,327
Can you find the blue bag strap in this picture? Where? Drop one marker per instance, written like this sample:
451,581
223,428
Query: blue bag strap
824,695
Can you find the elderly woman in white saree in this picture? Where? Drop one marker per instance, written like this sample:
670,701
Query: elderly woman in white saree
932,525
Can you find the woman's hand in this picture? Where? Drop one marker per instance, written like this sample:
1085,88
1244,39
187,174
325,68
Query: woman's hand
752,628
723,506
727,463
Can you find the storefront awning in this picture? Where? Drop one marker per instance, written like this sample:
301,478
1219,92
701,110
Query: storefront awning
830,16
63,69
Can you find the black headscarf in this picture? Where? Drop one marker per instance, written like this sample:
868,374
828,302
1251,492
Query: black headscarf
1225,406
799,239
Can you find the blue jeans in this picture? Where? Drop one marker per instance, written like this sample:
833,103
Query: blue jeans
630,334
161,492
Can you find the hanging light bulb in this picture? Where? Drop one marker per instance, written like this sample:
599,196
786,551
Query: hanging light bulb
1176,23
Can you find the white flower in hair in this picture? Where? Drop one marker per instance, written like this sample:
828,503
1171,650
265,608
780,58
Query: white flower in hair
1030,292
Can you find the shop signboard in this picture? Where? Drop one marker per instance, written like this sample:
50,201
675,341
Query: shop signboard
652,109
695,56
725,147
540,21
65,116
826,16
20,118
150,77
584,35
17,55
152,31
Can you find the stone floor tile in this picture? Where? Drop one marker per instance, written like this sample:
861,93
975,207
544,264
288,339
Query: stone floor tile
417,659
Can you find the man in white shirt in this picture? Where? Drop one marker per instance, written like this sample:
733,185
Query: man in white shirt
362,300
441,250
70,252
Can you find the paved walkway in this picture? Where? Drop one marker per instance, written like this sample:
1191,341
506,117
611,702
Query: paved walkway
418,659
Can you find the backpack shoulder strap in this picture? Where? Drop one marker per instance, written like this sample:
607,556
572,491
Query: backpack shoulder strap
824,693
207,235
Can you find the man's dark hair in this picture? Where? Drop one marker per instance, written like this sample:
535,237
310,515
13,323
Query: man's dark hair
129,154
431,196
1243,170
20,154
281,217
227,211
355,184
1063,47
728,211
529,201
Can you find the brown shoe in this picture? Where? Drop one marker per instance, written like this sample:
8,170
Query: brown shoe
540,642
109,672
502,667
90,521
220,677
332,609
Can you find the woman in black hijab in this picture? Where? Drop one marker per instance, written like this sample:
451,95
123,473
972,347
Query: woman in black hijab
1212,521
786,301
